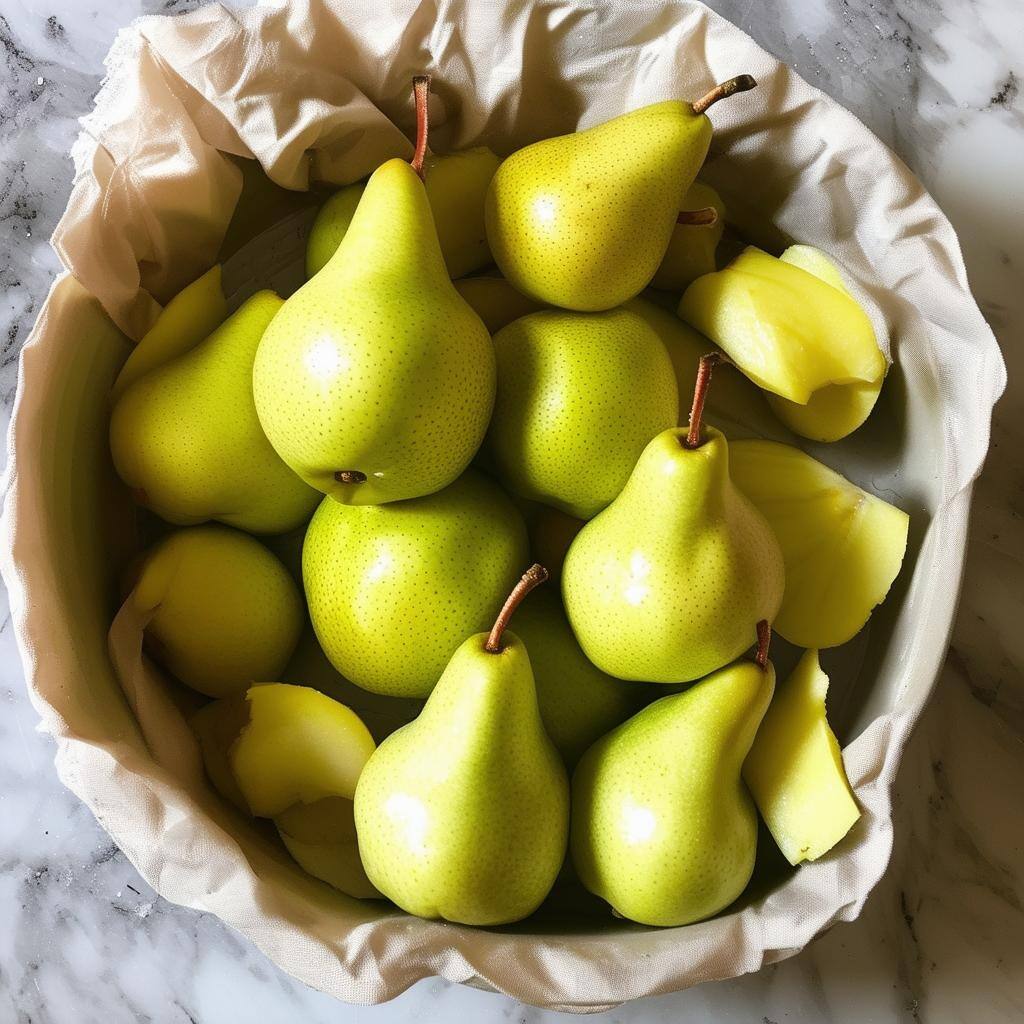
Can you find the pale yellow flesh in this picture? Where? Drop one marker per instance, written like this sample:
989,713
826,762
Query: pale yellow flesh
691,249
299,746
195,312
836,410
224,610
788,330
322,838
842,547
795,768
456,184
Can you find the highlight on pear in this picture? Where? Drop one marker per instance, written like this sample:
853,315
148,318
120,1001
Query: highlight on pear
565,358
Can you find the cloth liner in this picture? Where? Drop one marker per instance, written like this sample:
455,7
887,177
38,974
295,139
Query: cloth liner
319,91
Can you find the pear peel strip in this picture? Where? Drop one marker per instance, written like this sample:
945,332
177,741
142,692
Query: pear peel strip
530,580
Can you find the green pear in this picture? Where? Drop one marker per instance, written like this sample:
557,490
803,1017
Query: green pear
192,315
185,436
456,184
582,221
394,589
495,301
670,581
788,330
223,611
795,768
735,404
375,382
463,813
578,702
579,395
217,726
551,532
691,249
663,827
835,410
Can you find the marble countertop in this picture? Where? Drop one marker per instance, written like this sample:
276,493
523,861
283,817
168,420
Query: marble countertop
83,939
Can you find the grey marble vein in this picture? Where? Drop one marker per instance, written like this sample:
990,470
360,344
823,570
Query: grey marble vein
85,940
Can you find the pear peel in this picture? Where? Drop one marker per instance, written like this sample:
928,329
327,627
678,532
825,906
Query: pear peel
795,768
842,546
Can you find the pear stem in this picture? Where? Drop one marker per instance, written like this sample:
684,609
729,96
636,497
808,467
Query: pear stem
741,83
700,390
698,218
349,476
764,639
421,93
532,578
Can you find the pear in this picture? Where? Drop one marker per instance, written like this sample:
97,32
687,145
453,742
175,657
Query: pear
836,410
495,301
223,611
551,533
463,813
582,221
735,404
788,330
456,184
691,249
669,582
795,768
185,436
217,726
842,546
566,429
192,315
375,381
578,702
394,589
663,827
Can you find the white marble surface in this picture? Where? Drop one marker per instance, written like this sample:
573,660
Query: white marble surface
83,939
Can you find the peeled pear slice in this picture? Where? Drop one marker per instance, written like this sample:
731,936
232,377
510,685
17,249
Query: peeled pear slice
216,727
785,328
795,768
691,249
192,315
834,411
495,301
322,837
299,746
842,547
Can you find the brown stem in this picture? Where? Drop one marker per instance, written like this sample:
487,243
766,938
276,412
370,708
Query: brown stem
698,218
349,476
700,391
764,639
421,94
533,577
741,83
139,496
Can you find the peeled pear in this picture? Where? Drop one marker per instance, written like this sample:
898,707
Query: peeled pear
578,702
735,404
375,381
691,249
836,410
795,768
495,301
842,546
663,827
185,435
456,184
223,609
463,814
788,330
394,589
582,221
298,746
567,428
192,315
670,581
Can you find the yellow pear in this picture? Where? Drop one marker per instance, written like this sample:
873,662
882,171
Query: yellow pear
842,546
691,249
795,768
495,301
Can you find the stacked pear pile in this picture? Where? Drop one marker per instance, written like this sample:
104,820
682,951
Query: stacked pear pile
444,437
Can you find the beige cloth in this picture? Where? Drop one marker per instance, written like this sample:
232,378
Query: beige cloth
320,90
